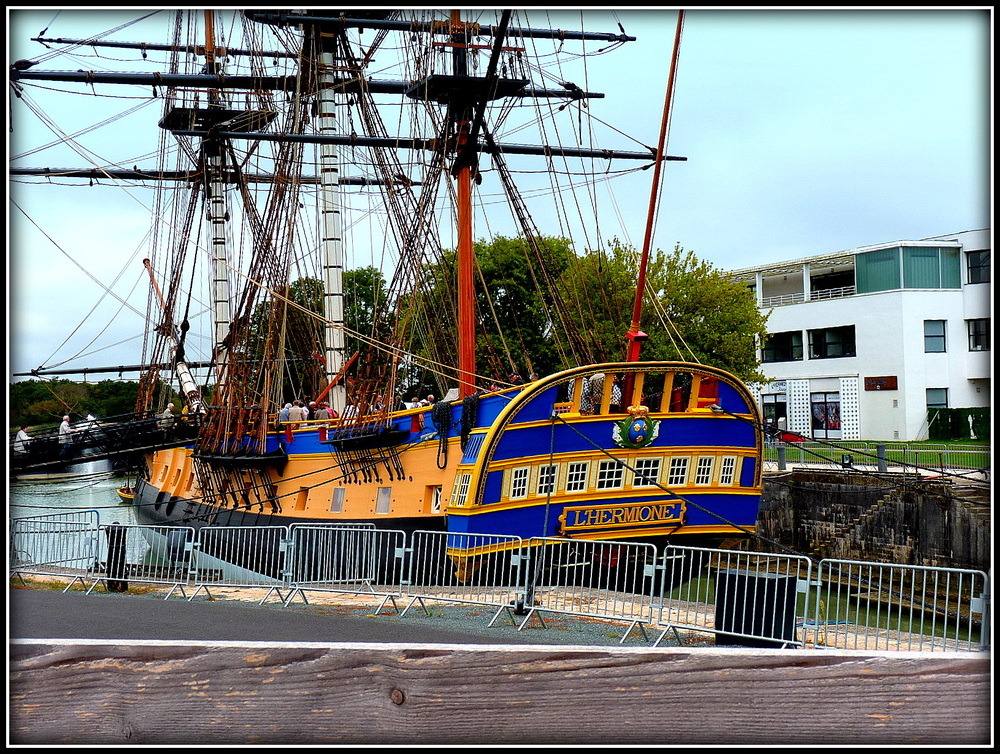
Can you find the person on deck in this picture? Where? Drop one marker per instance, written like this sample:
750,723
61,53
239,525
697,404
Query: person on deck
297,412
22,440
65,438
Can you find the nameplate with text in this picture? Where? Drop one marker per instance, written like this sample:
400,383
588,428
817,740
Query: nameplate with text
584,518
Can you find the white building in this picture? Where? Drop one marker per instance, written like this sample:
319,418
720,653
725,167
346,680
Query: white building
862,342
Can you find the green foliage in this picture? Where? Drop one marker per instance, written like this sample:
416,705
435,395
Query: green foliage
365,307
514,302
690,310
513,299
42,402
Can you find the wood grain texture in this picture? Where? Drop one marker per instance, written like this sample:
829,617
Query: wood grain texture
99,692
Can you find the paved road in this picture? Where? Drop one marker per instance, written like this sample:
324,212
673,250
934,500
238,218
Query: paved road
51,614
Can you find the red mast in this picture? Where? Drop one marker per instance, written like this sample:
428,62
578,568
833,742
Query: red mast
463,180
634,335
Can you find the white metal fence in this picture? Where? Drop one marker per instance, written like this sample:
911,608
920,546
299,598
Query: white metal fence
744,598
609,580
472,569
54,544
735,597
346,560
880,606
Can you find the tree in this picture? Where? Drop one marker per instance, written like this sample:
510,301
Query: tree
514,299
303,327
42,402
691,310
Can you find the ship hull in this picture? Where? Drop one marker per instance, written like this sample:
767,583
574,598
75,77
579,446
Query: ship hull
677,459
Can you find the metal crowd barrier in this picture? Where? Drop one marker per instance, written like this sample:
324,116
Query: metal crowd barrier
346,560
242,556
476,569
882,606
54,544
138,553
608,580
743,598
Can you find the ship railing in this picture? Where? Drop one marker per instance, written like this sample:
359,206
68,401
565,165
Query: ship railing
885,606
54,544
742,598
461,568
359,560
604,580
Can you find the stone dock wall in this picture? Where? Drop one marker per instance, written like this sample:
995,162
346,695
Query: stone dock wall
857,516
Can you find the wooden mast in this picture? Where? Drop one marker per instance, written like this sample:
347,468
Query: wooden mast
634,335
463,179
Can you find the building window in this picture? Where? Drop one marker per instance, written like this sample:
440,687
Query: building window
832,342
825,415
610,475
979,334
383,499
931,268
546,480
678,472
782,346
576,477
978,266
877,270
937,397
775,410
519,482
647,472
934,335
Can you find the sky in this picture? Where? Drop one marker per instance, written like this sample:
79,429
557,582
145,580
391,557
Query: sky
805,131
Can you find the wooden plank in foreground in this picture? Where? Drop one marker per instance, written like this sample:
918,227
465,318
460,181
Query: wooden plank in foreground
162,692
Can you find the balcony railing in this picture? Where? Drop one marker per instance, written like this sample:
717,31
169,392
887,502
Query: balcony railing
819,295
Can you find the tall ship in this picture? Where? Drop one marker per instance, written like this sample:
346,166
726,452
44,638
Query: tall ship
454,383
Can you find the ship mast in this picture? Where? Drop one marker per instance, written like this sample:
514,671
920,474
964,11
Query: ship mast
463,181
213,157
331,239
635,336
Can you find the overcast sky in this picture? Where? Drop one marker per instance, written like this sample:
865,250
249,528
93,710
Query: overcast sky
805,132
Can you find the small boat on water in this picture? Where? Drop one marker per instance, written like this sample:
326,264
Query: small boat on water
593,449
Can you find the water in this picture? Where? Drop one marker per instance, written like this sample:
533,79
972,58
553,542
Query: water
96,493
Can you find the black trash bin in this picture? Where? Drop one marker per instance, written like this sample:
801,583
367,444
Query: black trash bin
754,609
117,568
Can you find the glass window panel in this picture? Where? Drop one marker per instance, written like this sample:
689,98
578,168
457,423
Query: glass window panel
937,397
576,477
678,472
934,336
546,480
519,482
647,472
978,266
979,334
877,270
703,475
951,269
921,268
610,475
